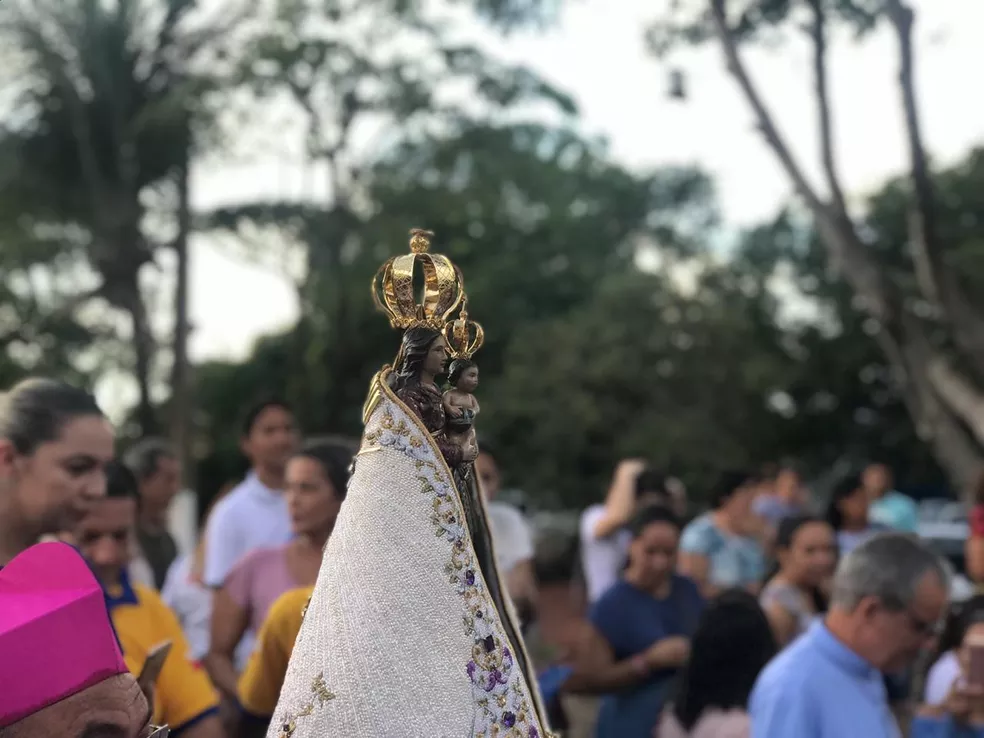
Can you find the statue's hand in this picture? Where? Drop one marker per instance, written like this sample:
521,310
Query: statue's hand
456,412
469,453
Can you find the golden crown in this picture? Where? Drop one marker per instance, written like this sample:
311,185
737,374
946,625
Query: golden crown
443,292
464,337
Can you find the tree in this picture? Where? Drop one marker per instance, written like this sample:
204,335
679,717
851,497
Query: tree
840,404
106,100
933,343
537,219
342,66
645,368
38,332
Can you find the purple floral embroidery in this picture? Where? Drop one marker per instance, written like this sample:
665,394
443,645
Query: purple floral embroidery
502,699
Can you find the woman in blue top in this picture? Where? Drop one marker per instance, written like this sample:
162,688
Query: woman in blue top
640,630
719,549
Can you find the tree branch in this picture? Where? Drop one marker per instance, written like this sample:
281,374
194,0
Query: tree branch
923,223
848,253
938,283
819,33
763,118
933,420
962,397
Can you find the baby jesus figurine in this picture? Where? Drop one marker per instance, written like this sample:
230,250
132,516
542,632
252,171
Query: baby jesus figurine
460,404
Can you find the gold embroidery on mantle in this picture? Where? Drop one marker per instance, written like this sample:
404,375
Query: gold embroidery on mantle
401,429
320,694
503,708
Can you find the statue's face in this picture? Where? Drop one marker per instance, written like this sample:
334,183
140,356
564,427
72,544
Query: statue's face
468,381
437,357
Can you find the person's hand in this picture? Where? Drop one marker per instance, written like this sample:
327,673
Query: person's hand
671,651
962,700
630,468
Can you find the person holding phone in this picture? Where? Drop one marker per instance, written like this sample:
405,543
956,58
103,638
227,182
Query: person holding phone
961,714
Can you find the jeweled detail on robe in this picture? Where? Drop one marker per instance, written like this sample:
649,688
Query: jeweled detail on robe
399,571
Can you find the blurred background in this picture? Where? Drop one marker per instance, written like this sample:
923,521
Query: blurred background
705,250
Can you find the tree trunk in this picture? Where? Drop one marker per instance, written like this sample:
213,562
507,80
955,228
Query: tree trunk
143,346
954,390
937,281
952,447
181,389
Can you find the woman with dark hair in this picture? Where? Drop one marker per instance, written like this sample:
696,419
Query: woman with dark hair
640,631
718,550
732,644
847,514
806,556
55,443
317,477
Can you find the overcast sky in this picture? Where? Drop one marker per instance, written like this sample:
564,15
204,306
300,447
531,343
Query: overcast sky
597,54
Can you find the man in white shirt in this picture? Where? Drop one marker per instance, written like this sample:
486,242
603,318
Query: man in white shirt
512,539
255,513
604,540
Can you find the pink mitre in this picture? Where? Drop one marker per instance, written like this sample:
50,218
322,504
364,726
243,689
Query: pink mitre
56,637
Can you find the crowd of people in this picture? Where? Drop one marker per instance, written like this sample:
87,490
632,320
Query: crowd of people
834,613
759,618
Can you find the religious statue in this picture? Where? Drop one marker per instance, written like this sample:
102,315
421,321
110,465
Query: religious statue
409,632
460,405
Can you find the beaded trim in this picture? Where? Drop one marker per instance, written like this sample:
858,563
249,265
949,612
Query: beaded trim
504,709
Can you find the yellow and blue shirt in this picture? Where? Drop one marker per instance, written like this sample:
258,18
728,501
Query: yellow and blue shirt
183,693
260,683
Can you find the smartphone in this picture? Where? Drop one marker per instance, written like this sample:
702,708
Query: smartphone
153,665
975,668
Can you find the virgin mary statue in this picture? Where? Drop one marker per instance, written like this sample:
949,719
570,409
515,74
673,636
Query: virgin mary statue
409,632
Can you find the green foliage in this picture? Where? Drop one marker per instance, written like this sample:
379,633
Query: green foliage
709,361
640,369
704,365
106,103
535,217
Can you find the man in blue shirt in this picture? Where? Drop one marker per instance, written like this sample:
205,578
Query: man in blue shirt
888,599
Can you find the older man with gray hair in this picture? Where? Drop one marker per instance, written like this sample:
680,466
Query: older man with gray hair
889,596
155,465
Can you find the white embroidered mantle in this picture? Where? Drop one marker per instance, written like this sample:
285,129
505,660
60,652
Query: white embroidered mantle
401,639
